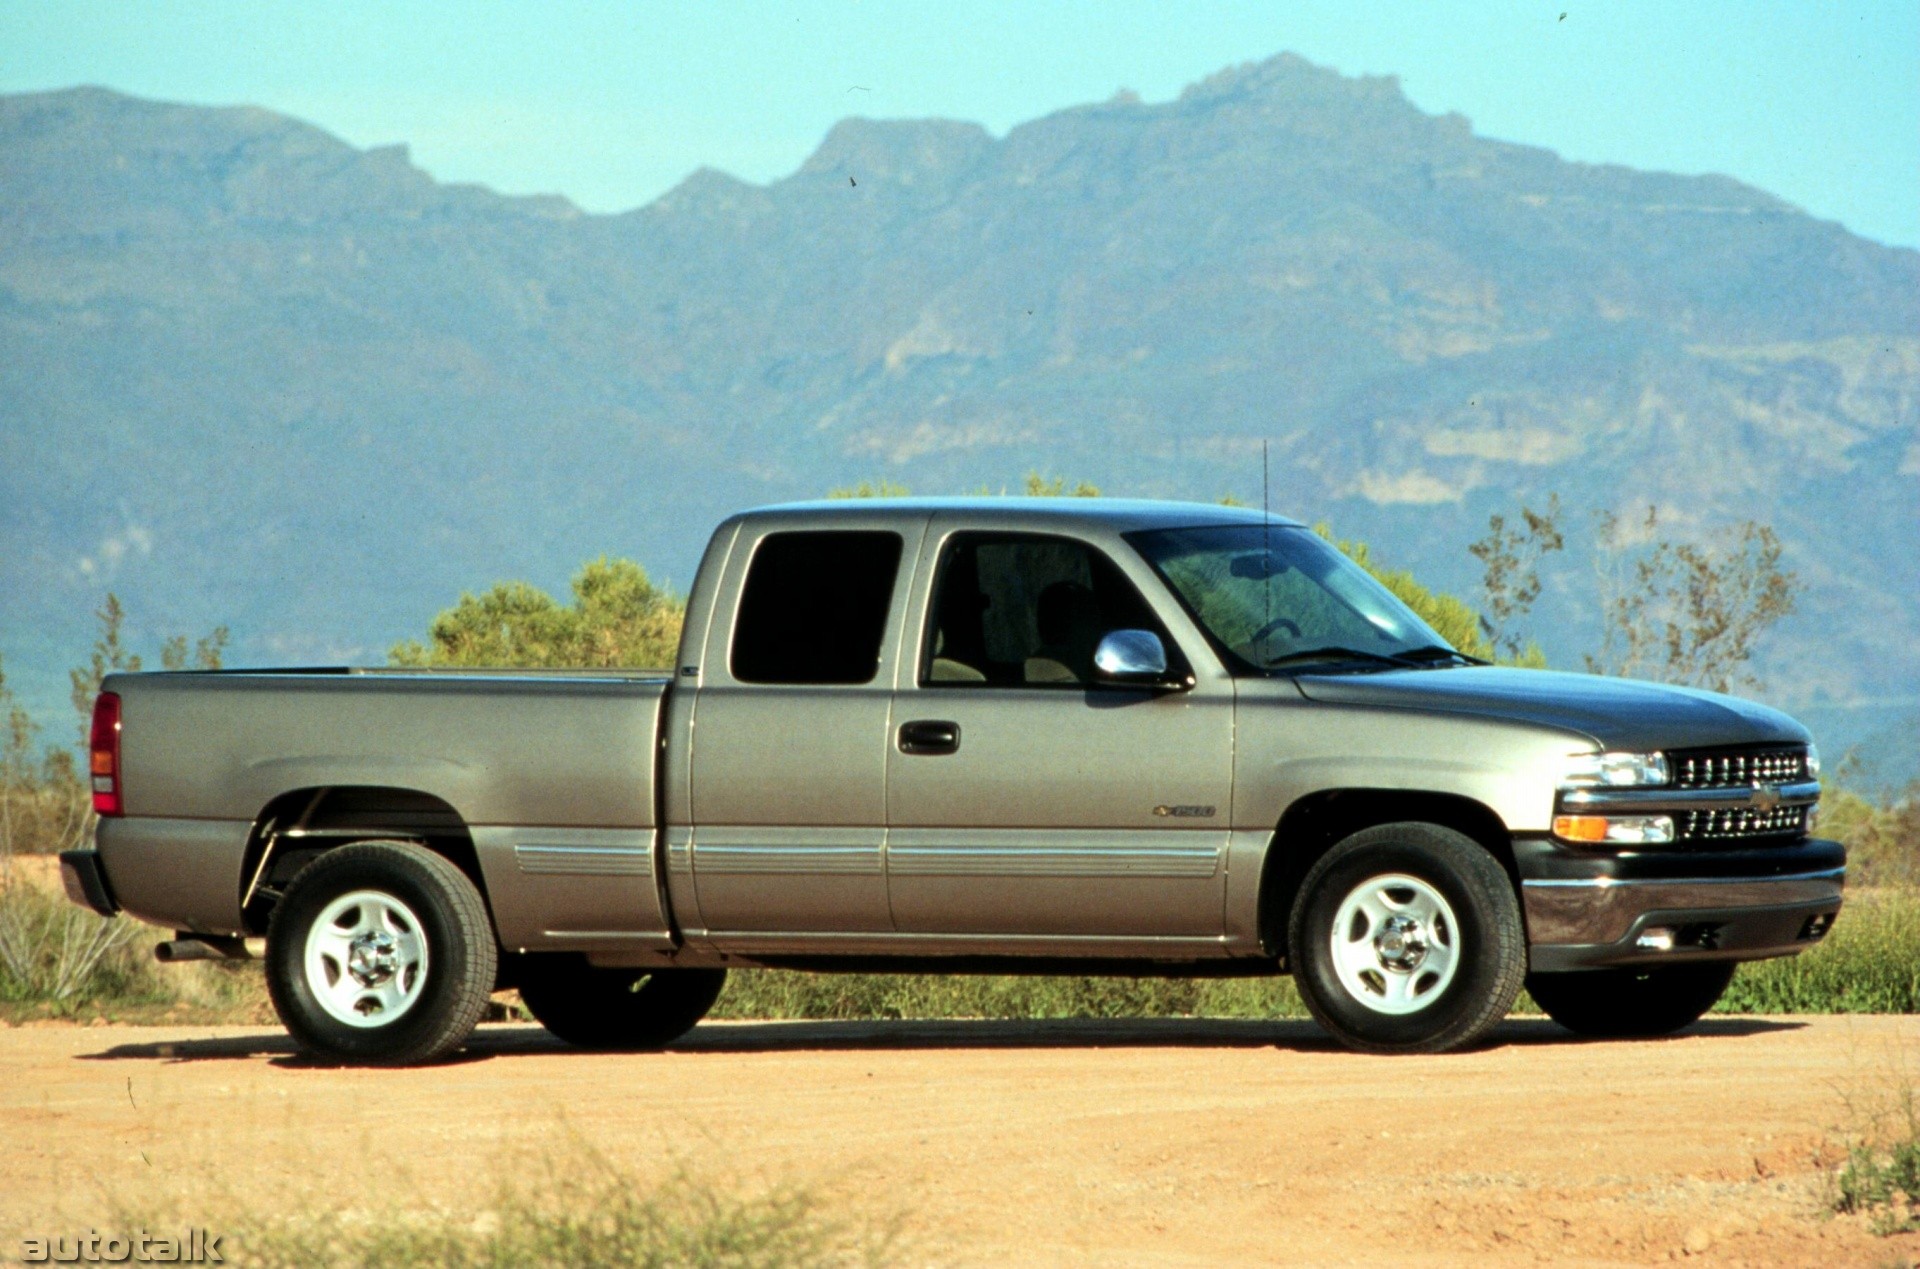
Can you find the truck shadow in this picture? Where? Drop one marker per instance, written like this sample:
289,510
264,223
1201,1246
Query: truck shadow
496,1043
1300,1035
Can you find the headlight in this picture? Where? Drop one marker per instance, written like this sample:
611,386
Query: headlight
1813,761
1615,770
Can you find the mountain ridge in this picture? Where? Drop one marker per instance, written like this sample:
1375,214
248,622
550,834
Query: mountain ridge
431,386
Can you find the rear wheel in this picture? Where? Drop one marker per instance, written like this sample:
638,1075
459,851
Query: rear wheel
1624,1003
380,952
1406,938
594,1008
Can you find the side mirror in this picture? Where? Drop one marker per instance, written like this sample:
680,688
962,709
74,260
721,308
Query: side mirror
1133,658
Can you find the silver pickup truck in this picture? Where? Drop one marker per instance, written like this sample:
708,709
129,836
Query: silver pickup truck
988,735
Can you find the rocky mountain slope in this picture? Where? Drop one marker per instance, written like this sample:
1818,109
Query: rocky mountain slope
250,374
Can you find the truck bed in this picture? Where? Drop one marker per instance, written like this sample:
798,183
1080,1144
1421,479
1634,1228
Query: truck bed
567,757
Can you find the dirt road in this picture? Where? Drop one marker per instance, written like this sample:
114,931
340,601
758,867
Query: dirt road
1167,1142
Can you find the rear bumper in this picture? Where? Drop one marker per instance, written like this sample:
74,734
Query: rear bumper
1648,910
178,874
85,883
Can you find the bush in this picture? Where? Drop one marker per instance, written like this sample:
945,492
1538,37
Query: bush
55,953
777,993
588,1212
60,960
1882,838
1869,964
1881,1175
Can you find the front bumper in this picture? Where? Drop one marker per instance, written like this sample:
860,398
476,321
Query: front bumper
1589,911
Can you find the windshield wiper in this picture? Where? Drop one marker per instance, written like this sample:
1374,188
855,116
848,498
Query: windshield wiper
1335,652
1435,652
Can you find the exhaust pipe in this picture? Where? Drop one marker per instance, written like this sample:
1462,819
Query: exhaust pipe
201,947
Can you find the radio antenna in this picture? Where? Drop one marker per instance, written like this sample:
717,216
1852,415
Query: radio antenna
1266,533
1264,508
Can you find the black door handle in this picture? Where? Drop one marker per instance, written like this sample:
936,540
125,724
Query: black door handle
929,736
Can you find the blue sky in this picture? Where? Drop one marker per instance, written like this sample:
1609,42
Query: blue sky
612,103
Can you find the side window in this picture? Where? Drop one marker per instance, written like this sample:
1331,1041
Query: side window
1025,612
814,608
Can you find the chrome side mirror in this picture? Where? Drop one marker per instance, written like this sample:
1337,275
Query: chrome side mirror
1132,657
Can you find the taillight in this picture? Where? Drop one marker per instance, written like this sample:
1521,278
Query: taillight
104,754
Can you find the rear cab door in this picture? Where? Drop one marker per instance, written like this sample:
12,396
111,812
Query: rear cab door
777,759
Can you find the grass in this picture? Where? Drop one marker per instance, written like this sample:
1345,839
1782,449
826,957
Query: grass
584,1210
1880,1177
778,993
61,961
1870,963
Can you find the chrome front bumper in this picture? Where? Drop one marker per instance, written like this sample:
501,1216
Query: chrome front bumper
1596,922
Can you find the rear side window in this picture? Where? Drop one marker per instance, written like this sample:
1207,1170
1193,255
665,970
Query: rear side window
814,609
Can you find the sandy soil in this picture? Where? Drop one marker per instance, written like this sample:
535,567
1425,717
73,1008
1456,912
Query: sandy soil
1163,1142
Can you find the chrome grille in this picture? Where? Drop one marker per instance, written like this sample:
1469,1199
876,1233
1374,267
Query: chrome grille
1738,768
1741,823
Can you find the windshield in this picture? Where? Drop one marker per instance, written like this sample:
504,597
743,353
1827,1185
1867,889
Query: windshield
1280,597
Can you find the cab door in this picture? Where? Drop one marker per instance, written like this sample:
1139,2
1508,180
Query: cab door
790,730
1024,797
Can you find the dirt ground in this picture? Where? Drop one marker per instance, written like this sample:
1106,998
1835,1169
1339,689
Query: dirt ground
1147,1142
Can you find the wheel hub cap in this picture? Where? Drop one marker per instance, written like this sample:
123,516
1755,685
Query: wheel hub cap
373,958
1401,944
1395,943
366,959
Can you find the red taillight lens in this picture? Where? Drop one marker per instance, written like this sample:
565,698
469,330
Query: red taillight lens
104,754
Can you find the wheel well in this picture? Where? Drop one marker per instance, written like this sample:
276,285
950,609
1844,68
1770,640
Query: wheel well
1314,824
296,827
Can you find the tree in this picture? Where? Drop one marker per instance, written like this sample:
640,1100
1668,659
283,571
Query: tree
1683,612
1035,486
1510,556
882,488
111,655
1039,486
208,653
618,618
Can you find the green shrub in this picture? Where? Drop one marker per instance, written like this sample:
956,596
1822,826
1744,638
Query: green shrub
54,952
1881,1175
777,993
1869,964
60,960
1882,837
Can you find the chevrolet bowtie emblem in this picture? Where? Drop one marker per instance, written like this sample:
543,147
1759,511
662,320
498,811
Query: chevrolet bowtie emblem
1766,796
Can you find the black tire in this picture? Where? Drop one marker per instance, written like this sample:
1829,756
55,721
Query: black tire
593,1008
1631,1003
446,988
1471,924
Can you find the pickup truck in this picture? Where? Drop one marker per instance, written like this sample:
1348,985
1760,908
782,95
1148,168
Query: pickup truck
1000,735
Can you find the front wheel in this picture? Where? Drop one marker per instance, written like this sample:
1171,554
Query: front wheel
1630,1003
1406,938
594,1008
380,952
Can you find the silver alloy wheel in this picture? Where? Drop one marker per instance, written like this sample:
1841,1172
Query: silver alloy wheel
1395,943
366,959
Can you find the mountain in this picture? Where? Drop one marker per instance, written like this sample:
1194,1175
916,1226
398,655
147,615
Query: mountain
251,374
